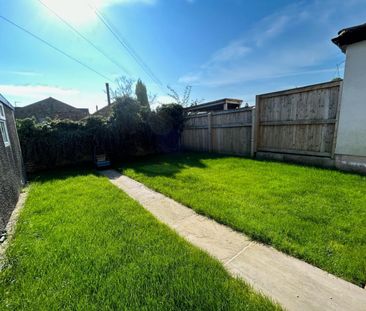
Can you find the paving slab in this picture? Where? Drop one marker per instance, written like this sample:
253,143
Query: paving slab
295,284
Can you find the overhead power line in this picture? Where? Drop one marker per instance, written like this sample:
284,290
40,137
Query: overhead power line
83,36
55,48
126,46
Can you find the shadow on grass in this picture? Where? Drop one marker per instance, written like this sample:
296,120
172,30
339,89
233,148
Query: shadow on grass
168,165
152,165
62,174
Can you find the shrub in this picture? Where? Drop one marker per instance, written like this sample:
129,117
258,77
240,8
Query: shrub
129,131
167,124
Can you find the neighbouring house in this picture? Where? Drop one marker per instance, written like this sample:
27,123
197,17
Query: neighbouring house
350,150
105,112
12,176
51,108
217,105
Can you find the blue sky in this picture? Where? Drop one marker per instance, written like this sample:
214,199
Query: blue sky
228,48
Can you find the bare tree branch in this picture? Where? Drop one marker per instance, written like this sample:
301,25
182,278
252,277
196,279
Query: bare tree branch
174,94
185,100
152,98
124,87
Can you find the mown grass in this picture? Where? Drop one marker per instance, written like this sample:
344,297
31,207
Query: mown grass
315,214
82,244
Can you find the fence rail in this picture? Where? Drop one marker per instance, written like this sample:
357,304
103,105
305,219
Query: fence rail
301,121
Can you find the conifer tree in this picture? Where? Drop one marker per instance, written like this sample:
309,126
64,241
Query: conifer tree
141,94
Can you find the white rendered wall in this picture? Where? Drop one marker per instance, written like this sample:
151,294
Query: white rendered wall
351,137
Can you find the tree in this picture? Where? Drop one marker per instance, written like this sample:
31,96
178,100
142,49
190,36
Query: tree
180,100
142,98
184,100
167,123
125,117
124,87
152,98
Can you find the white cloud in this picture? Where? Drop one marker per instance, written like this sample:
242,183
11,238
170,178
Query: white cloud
189,78
163,99
233,51
35,90
262,52
258,73
273,27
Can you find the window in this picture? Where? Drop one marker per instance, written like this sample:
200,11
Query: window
3,127
2,112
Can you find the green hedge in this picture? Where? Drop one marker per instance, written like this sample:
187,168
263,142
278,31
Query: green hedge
129,131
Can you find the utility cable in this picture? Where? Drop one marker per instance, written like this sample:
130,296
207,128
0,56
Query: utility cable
83,36
55,48
126,46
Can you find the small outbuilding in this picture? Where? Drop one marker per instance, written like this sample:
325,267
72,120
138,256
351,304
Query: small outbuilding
217,105
12,175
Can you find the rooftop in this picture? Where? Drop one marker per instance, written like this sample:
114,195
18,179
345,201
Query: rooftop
5,102
221,104
349,36
51,108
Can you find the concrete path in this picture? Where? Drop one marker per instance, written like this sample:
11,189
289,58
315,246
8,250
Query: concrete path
293,283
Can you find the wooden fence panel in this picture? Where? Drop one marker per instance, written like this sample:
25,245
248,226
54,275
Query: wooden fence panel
226,132
298,121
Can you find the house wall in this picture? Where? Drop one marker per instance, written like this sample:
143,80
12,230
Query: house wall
351,138
12,176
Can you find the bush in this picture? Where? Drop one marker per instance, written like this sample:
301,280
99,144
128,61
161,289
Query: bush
167,124
127,132
54,143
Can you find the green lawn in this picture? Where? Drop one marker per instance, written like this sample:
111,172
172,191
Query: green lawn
314,214
82,244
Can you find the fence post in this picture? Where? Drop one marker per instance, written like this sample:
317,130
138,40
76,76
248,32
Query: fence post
255,130
334,143
253,138
209,131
